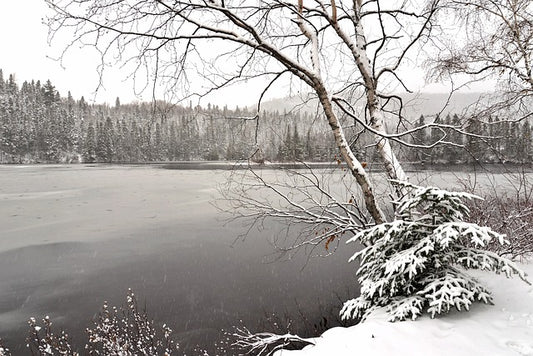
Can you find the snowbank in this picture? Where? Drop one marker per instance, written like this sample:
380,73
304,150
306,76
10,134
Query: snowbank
505,328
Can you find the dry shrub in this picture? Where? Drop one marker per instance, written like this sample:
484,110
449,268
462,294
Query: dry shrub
4,351
507,207
124,331
512,216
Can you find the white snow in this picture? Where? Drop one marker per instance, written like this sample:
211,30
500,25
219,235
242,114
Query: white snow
505,328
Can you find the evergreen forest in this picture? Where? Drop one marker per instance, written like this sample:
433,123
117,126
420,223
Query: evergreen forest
38,125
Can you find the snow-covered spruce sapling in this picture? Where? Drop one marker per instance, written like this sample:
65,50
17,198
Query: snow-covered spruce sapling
418,262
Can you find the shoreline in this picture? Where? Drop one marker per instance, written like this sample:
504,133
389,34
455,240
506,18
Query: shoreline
510,167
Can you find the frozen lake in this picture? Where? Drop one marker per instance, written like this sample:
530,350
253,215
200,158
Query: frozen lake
74,236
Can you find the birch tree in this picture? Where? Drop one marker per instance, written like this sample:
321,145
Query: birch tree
346,54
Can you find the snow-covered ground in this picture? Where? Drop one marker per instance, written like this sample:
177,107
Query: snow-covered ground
505,328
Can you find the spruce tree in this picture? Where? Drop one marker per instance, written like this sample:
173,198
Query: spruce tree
435,136
418,263
108,141
296,145
284,150
527,142
173,145
309,147
420,138
513,142
89,145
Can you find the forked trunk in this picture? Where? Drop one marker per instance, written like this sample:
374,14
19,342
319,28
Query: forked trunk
349,158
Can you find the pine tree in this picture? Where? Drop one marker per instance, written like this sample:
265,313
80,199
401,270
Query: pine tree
309,147
89,145
109,140
2,84
83,107
474,144
435,136
527,142
284,150
173,144
512,142
100,147
296,145
495,140
420,138
105,137
135,142
453,154
69,134
210,142
158,144
49,93
417,262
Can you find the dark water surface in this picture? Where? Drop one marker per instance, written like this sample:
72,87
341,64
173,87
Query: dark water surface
72,237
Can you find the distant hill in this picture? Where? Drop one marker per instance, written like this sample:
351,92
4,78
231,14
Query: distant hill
433,103
426,104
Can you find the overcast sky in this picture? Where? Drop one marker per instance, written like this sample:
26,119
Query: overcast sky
26,53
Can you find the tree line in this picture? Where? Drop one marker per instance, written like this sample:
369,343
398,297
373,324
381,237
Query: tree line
37,125
472,140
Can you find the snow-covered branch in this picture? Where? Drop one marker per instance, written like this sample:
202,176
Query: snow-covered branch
320,204
265,344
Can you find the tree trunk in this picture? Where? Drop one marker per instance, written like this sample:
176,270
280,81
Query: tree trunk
349,158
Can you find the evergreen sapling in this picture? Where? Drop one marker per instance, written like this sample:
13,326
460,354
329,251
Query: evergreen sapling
417,263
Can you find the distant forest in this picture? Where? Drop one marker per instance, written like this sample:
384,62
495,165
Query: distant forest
37,125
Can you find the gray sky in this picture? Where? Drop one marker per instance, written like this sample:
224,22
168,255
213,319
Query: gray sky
26,53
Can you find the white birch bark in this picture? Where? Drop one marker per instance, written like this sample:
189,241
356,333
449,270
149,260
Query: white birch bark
358,49
355,167
392,165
